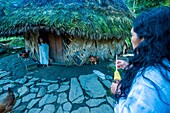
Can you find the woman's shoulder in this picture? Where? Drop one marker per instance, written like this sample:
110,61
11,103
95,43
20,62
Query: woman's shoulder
158,70
156,77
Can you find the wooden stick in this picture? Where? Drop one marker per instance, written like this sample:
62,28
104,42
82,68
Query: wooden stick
116,62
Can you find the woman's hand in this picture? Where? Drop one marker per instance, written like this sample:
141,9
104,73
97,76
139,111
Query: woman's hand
121,64
113,88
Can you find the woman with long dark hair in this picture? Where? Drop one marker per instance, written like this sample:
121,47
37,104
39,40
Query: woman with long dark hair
145,87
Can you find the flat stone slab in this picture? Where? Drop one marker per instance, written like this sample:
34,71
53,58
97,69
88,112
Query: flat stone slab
76,93
52,87
92,85
28,97
60,110
47,99
42,92
48,109
95,102
62,97
102,109
63,88
67,106
82,110
32,103
23,90
35,110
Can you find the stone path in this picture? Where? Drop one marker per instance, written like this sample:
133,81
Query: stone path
85,94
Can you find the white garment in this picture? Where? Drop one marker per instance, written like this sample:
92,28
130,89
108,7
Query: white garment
44,53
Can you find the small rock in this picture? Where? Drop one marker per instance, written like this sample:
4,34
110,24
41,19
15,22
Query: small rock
102,109
82,110
42,92
20,109
63,88
47,99
66,83
60,110
28,97
79,100
34,80
67,106
34,90
52,87
35,110
17,103
43,84
95,102
48,109
9,86
32,103
107,83
50,81
62,97
29,84
111,101
22,80
29,77
23,91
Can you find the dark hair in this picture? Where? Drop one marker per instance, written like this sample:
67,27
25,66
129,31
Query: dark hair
154,27
44,40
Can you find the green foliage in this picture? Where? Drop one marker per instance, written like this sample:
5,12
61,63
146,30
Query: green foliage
13,41
138,6
128,41
17,43
5,39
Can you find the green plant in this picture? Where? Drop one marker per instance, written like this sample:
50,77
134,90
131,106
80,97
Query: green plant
128,41
17,42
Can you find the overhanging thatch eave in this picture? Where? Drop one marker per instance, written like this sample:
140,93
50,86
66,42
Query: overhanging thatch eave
84,20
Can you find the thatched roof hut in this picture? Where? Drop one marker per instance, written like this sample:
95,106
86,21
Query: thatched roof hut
73,28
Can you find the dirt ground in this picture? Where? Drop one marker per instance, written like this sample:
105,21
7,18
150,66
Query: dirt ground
13,64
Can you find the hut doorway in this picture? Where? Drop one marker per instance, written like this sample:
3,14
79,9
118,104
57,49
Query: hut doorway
56,49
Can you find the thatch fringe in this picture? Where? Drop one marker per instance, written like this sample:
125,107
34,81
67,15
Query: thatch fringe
83,20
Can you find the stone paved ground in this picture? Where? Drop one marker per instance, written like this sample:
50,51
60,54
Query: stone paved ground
83,94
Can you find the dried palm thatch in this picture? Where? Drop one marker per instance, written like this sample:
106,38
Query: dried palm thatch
79,19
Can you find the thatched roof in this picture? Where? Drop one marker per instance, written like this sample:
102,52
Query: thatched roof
94,20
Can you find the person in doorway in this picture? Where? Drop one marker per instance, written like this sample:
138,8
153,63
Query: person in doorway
43,52
145,87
